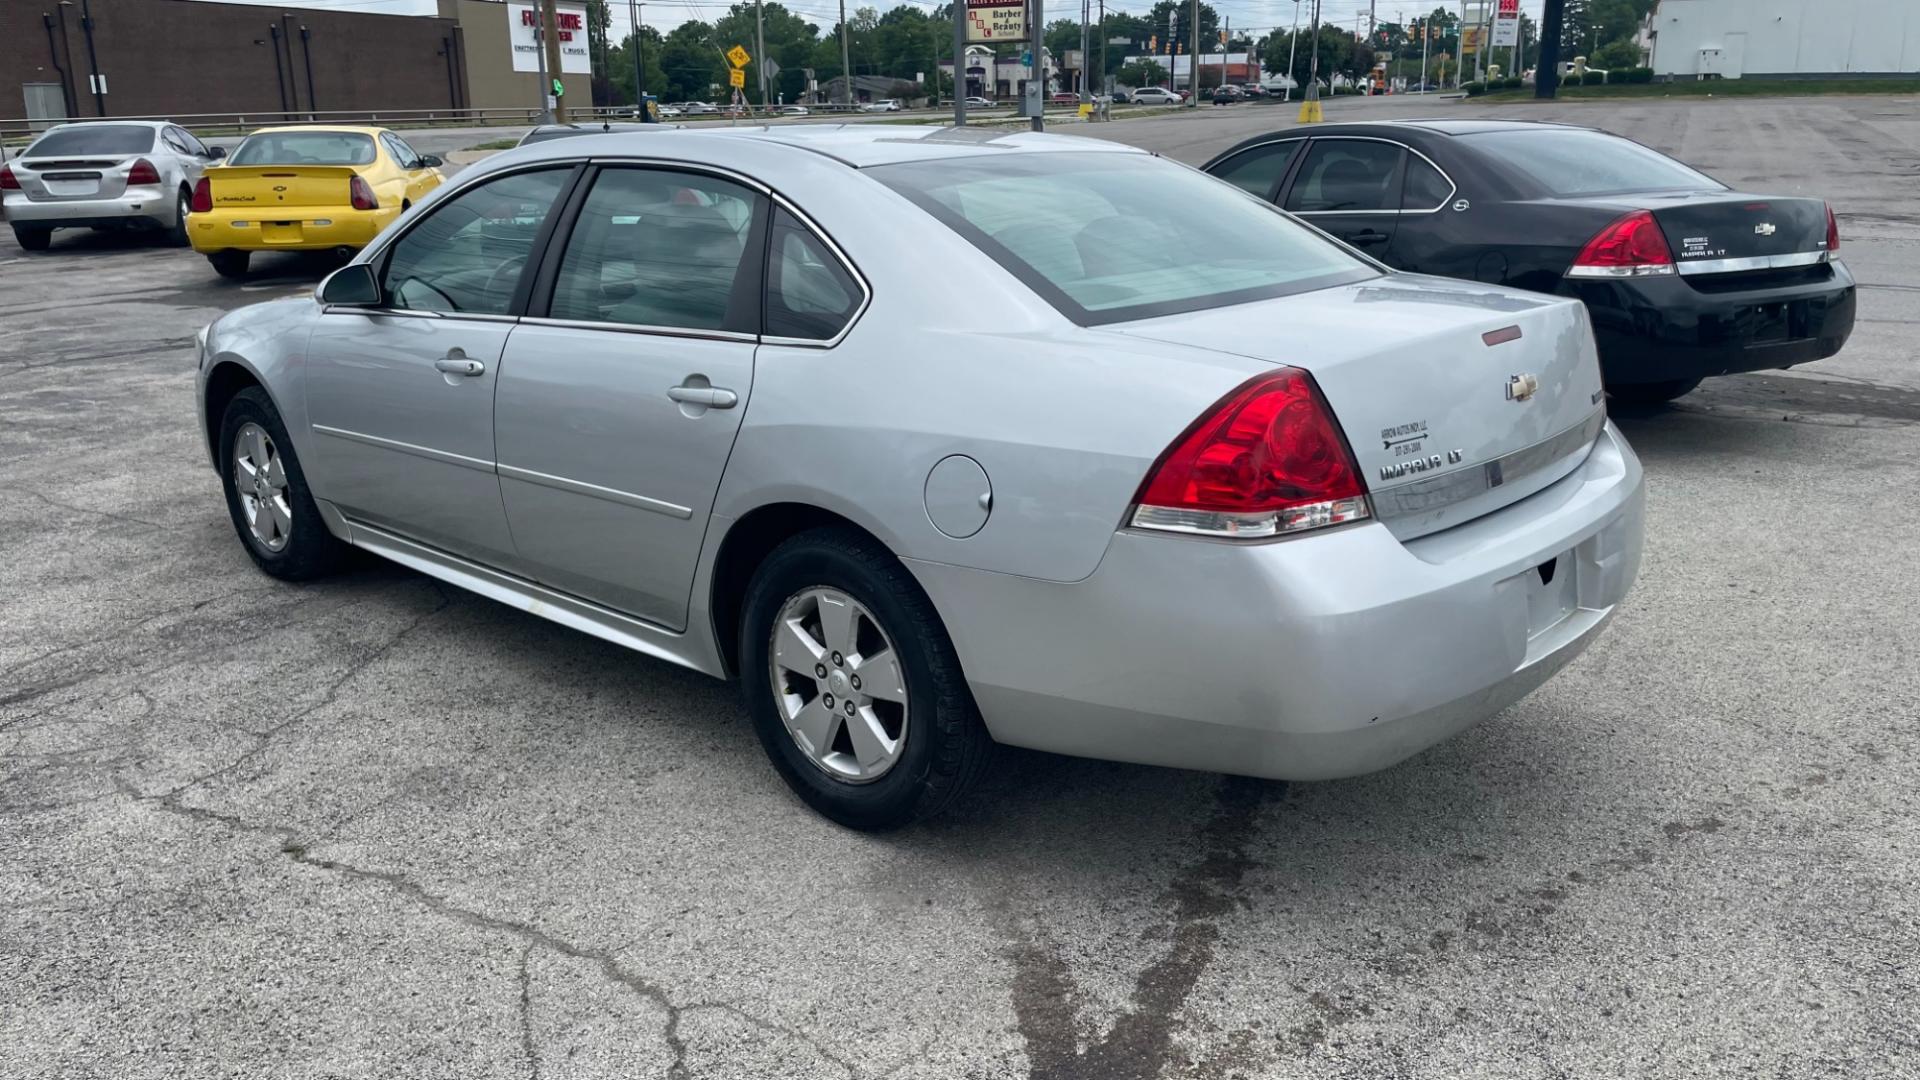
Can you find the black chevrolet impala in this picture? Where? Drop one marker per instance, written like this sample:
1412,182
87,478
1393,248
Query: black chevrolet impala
1683,276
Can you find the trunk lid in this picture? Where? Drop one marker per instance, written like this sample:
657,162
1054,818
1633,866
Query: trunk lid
1717,232
73,177
1456,398
270,188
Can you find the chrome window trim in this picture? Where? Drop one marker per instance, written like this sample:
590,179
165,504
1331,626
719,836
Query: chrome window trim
445,457
1459,485
642,328
581,487
1454,188
1756,262
411,313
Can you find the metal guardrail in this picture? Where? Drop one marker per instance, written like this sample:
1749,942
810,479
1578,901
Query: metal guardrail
17,129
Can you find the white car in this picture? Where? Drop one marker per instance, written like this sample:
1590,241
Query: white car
883,105
1155,95
790,110
136,174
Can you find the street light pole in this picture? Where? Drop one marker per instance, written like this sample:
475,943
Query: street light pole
959,9
1293,46
760,51
639,59
846,65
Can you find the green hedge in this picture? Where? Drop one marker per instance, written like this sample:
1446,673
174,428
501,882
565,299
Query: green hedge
1475,89
1513,82
1637,75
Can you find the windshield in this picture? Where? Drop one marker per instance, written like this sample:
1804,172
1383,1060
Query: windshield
1108,237
93,139
305,148
1572,163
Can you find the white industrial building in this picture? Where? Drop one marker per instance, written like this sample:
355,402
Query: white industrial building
1732,38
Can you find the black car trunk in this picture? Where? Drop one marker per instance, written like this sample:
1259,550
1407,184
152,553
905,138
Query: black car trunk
1727,232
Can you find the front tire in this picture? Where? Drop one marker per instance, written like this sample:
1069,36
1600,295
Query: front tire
853,685
32,239
1652,393
267,495
230,264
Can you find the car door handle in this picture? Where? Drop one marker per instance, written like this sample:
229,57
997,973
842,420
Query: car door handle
713,397
455,364
1367,237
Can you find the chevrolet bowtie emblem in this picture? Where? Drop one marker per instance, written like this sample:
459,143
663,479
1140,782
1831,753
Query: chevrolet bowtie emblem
1522,387
1766,228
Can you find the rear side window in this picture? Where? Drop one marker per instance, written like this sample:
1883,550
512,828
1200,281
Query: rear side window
1345,175
809,293
467,255
1258,171
654,247
1563,162
92,139
1427,189
305,148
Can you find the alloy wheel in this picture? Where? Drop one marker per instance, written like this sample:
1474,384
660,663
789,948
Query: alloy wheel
260,479
838,685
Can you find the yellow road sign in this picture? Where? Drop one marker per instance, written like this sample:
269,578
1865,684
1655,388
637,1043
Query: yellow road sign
738,57
737,78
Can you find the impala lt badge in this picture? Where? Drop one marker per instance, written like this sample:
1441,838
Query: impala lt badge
1766,228
1522,387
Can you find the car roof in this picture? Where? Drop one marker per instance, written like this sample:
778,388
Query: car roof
1453,126
154,125
859,145
330,129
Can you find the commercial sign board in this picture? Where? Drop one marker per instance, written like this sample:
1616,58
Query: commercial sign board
1506,24
991,21
570,28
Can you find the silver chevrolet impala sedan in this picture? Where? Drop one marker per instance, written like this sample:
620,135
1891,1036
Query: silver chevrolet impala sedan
938,438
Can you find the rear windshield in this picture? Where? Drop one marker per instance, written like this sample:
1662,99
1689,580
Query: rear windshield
1570,163
305,148
92,139
1109,237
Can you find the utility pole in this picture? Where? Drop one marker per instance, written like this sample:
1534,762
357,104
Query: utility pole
1037,98
760,51
1310,112
1103,47
1193,58
549,25
1426,47
959,9
540,53
639,59
846,65
1546,75
1086,52
1293,47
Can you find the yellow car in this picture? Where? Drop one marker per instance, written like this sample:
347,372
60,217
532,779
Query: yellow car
305,189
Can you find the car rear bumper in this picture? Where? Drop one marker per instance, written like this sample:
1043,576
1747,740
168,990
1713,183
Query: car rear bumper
144,205
1324,656
310,229
1662,329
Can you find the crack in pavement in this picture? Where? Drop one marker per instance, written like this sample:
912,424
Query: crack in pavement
526,1015
1140,1043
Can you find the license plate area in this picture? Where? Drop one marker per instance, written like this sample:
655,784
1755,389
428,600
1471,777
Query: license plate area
1553,592
280,232
70,184
1776,323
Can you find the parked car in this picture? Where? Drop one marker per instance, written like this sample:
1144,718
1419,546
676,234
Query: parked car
883,105
1063,98
668,112
1156,95
981,103
1228,95
1121,96
310,188
1684,277
561,131
901,576
790,110
124,174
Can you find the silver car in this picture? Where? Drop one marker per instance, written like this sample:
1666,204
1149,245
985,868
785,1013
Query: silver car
935,438
129,173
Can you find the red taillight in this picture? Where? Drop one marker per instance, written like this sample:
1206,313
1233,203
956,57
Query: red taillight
1266,461
1833,227
202,197
142,172
362,195
8,181
1630,247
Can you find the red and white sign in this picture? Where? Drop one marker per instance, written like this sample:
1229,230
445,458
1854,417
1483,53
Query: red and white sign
991,21
1506,24
570,28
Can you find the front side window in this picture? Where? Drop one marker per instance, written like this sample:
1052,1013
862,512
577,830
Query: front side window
80,139
305,148
1569,162
467,255
1347,175
654,247
1258,171
1107,237
809,293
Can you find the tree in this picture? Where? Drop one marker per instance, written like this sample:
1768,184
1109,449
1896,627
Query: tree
693,65
617,75
1162,15
1141,73
1616,55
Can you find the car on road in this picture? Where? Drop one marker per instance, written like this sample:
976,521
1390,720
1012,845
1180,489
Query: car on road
1684,277
1208,490
561,131
124,174
980,103
1156,95
1063,98
790,110
1227,95
311,188
884,105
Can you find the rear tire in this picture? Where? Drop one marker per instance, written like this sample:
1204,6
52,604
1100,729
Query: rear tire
177,236
940,745
230,264
1652,393
33,239
278,522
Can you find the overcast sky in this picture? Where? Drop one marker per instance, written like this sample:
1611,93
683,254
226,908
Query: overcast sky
1254,16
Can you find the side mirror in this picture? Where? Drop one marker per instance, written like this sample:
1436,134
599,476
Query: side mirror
215,153
352,285
431,161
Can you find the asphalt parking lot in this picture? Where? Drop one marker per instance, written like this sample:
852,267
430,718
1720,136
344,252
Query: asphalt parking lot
373,827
